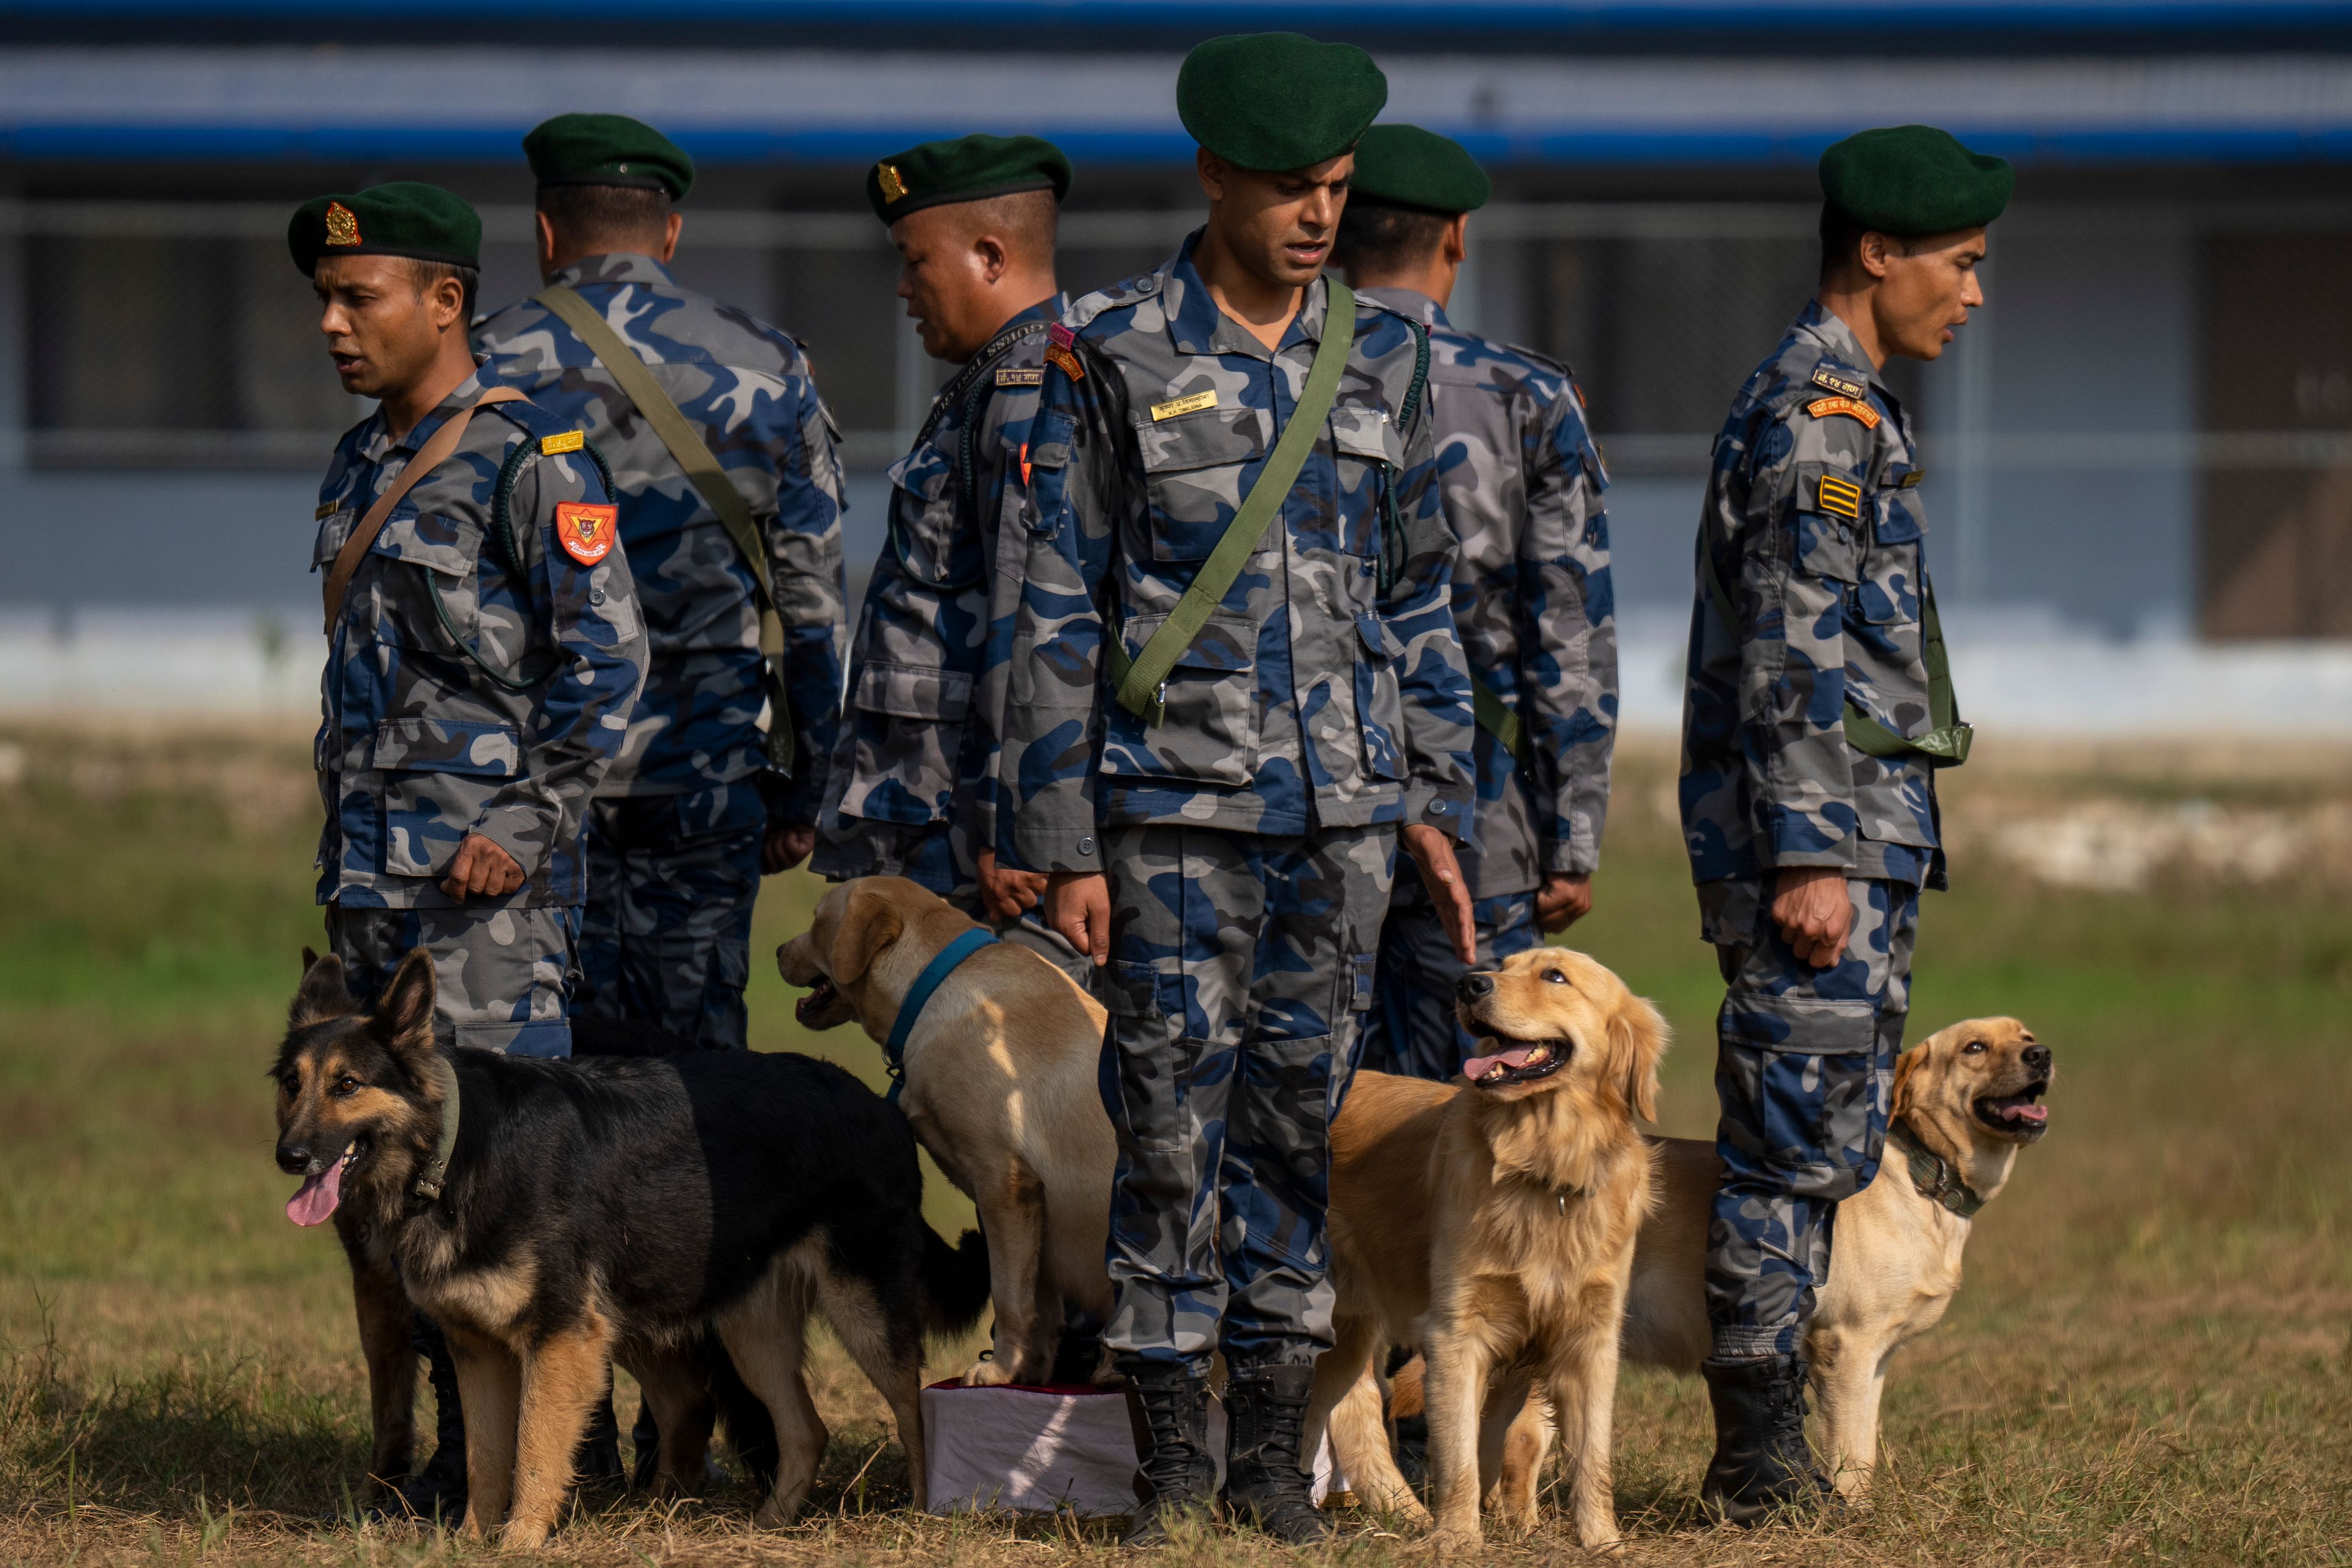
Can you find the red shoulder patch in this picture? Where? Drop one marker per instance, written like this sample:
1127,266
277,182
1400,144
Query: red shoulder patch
1853,408
587,530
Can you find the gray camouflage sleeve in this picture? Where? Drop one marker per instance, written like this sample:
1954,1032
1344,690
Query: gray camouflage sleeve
804,560
1434,676
1567,642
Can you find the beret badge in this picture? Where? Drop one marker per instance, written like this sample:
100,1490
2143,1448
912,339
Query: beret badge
894,188
342,225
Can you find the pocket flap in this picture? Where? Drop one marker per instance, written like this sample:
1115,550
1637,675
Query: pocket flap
449,746
1050,448
445,544
914,691
1365,431
1378,640
1226,645
1209,439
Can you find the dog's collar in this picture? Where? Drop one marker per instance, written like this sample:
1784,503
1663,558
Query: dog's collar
435,1175
919,996
1933,1174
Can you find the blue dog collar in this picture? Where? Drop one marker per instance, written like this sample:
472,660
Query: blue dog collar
919,996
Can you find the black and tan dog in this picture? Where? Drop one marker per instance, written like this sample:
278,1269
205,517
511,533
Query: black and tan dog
548,1215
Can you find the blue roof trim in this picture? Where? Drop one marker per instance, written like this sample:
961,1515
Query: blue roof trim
425,145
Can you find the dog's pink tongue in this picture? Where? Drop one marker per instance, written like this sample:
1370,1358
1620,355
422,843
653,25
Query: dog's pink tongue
2027,1112
1517,1056
318,1195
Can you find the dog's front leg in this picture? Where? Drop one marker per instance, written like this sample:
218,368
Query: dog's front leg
489,1386
386,1323
1013,1217
1524,1447
1849,1377
562,1376
1455,1388
1584,1400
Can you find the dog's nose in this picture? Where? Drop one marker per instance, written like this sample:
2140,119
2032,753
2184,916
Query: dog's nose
293,1159
1476,984
2037,1057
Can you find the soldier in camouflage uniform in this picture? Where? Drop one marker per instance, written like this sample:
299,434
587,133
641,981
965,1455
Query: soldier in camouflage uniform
1222,840
913,783
484,650
1819,705
693,811
1521,481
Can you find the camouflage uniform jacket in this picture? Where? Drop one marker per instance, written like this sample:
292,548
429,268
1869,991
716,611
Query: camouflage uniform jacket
1522,481
747,388
919,736
1813,519
478,681
1329,689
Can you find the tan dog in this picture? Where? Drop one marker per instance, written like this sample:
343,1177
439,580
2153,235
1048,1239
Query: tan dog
1000,1089
1493,1223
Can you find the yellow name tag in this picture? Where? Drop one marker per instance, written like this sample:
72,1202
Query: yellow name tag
324,512
1192,404
570,441
1021,376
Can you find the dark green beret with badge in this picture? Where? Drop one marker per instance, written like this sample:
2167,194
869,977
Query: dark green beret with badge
1406,166
1912,180
968,169
607,150
404,218
1276,102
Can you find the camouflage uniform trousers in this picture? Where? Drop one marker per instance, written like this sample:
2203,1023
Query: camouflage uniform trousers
503,977
667,938
1241,969
1411,1030
1805,1075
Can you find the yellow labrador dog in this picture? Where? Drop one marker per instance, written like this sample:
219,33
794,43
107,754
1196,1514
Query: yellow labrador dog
1000,1087
1492,1222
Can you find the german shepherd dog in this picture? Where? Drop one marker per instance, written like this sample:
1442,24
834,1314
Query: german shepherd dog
551,1213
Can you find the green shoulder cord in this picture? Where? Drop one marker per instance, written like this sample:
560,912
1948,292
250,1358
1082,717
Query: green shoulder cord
1946,744
1142,681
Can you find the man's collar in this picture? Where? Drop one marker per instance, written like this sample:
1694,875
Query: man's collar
1198,326
1052,309
1407,302
615,267
380,445
1829,329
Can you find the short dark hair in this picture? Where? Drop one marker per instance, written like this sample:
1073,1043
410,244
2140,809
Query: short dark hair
1374,239
1026,221
1841,239
428,273
588,215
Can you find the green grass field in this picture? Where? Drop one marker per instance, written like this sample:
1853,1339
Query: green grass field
2151,1359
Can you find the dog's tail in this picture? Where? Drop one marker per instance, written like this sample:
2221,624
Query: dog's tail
955,1283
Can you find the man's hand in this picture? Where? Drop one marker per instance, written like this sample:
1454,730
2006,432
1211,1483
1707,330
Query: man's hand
1811,906
1565,897
1441,873
1007,894
481,866
786,846
1077,905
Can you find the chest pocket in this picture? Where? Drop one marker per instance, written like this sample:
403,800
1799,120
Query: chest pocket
1888,593
1193,467
923,521
426,582
1370,454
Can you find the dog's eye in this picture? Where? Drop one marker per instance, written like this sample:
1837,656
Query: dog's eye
1555,976
1973,1049
345,1086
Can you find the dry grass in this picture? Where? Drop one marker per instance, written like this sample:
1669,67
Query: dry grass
2151,1363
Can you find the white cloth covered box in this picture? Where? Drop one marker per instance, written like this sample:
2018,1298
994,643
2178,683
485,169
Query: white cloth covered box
1036,1450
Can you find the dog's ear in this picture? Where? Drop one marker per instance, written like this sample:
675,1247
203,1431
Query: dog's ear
323,994
403,1014
1907,1067
869,924
1637,1040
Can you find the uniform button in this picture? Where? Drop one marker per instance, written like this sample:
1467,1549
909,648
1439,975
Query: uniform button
595,596
1440,807
1147,285
1087,845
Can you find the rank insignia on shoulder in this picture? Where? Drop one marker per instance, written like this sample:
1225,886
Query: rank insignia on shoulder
1020,375
1058,342
586,530
570,441
326,509
1842,497
886,176
1853,408
1190,404
1828,380
342,225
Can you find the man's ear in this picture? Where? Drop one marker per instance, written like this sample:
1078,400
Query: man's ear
1873,252
993,259
1458,239
1212,170
1637,1041
869,924
403,1014
323,994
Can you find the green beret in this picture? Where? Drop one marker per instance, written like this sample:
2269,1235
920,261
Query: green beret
607,150
1276,102
1908,180
1406,166
969,169
404,218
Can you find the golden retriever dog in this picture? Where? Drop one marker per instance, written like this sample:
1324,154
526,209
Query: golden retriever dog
1001,1087
1492,1222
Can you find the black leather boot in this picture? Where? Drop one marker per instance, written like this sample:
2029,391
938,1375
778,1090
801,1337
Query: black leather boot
1266,1410
439,1490
1762,1463
1176,1475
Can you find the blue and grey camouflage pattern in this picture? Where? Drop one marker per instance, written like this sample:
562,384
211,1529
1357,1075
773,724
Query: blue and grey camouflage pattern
1805,1073
1329,690
1815,521
913,783
503,976
477,680
1412,1029
748,389
667,936
1521,482
1241,970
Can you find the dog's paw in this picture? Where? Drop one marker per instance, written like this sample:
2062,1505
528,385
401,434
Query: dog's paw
522,1535
986,1373
773,1515
1453,1541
